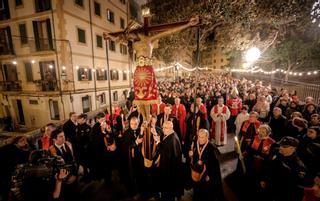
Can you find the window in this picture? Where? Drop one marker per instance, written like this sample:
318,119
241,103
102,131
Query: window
112,45
102,98
19,3
81,36
123,1
86,104
221,60
42,5
4,10
23,33
99,41
43,35
6,46
97,9
102,74
79,2
54,109
84,74
123,49
125,93
33,102
28,68
214,61
115,96
124,75
114,75
110,16
122,23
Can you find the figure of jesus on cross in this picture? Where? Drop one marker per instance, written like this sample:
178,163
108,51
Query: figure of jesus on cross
144,40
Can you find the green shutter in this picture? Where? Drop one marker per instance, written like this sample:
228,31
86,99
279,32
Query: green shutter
90,74
49,34
10,39
36,35
79,75
23,33
105,75
28,68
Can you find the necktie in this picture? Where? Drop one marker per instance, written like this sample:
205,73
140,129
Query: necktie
63,151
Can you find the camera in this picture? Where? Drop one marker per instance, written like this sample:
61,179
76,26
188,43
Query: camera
37,174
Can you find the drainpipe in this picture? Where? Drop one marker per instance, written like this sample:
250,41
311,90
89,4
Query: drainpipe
58,66
93,64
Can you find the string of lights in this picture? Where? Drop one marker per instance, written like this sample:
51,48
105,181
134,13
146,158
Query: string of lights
293,73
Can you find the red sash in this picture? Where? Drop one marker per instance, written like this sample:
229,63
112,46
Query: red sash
266,144
224,111
247,124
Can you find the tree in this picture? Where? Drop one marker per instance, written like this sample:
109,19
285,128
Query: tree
236,24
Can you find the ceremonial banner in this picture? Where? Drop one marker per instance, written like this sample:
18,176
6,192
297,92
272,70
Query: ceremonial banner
145,86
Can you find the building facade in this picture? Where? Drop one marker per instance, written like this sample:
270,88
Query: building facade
53,58
214,58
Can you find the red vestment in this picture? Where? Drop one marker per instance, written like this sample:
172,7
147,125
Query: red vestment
235,105
181,115
158,108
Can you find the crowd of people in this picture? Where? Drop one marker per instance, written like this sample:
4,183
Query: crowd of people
278,135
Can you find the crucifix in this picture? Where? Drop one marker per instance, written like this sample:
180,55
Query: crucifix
143,40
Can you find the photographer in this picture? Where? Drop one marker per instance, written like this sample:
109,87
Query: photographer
13,154
63,148
40,179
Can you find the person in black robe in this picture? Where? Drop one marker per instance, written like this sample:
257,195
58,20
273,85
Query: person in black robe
278,123
208,185
170,164
70,126
94,138
286,174
81,145
104,153
168,116
131,170
134,112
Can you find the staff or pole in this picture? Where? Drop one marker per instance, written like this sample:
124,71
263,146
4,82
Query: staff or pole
240,154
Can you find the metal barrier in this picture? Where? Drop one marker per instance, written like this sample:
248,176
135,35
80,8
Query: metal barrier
303,89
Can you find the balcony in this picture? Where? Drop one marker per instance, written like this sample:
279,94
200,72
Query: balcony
11,85
47,85
44,45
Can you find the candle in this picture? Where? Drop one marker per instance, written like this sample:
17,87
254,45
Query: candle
240,154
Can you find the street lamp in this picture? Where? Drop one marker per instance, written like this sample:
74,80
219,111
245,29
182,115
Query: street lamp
253,54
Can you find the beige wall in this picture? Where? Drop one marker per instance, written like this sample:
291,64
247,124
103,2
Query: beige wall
66,18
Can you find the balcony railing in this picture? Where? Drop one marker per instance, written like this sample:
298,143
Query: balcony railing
47,85
11,85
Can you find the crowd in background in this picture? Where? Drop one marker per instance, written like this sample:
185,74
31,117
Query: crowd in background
278,144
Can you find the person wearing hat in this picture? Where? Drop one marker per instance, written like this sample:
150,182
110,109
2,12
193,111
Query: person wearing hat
286,171
234,104
277,124
296,127
309,149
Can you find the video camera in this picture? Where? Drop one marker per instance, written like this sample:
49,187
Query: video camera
39,172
